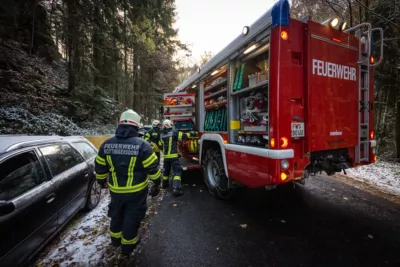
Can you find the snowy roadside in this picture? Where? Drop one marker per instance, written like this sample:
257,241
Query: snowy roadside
86,242
382,175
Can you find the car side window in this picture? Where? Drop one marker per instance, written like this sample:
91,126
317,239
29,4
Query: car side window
19,174
61,157
85,149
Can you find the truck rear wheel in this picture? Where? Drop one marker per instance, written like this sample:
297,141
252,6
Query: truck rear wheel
214,175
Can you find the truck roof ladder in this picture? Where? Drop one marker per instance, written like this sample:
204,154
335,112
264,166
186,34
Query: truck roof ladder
364,54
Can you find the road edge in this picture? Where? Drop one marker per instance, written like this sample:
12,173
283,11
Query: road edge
374,190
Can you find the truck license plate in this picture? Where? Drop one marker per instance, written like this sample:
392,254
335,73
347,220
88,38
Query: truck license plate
297,129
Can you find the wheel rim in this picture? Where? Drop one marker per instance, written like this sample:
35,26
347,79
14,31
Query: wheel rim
95,193
213,173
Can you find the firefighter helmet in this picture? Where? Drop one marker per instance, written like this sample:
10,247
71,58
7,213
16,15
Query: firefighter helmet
155,123
168,124
130,117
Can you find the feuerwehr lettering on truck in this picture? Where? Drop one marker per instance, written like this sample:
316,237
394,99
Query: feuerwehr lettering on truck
329,69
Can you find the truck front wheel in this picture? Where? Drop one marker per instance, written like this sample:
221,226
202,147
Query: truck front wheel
214,175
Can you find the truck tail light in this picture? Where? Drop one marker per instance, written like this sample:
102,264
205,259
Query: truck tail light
374,158
272,142
283,176
372,60
372,135
284,35
284,142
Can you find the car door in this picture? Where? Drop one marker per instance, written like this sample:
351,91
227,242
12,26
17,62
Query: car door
27,214
70,177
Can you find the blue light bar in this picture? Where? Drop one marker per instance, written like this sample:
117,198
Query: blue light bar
281,13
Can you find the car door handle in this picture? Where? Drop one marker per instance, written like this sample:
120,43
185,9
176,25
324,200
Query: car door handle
50,198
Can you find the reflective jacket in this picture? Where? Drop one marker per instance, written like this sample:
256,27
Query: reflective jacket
170,139
154,138
128,161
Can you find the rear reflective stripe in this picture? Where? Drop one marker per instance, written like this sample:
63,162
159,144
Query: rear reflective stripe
154,176
116,235
130,241
113,175
130,189
150,160
169,146
101,176
131,171
171,156
100,160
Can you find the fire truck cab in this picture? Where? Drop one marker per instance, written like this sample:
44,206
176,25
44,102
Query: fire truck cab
287,98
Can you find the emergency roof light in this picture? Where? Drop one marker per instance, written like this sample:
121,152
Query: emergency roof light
332,22
245,30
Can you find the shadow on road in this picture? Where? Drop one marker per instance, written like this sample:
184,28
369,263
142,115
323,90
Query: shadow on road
313,226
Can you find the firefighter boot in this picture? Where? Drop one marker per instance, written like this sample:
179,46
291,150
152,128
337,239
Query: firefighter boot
165,182
177,188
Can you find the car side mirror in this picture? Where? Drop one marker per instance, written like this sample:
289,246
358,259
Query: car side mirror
6,207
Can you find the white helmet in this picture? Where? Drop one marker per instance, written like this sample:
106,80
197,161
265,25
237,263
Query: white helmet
168,124
155,123
130,117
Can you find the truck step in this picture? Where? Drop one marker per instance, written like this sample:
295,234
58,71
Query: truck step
189,164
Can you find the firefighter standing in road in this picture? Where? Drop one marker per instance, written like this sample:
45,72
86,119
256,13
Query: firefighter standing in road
154,137
128,161
170,139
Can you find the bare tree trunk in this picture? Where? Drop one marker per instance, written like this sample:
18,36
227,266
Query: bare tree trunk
33,28
398,131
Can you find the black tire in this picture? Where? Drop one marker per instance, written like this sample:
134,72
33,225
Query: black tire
214,175
93,196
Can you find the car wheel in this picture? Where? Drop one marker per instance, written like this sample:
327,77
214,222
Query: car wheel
93,197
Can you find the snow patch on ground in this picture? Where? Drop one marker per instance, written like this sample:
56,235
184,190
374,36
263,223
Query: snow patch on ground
383,175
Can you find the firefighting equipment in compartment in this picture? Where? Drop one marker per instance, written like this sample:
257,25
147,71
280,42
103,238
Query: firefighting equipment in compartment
173,102
125,162
215,120
170,139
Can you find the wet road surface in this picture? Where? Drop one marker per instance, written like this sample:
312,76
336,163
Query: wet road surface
324,223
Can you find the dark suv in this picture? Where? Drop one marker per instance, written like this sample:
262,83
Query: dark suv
44,182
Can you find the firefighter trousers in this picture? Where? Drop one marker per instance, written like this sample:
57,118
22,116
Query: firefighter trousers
176,169
127,213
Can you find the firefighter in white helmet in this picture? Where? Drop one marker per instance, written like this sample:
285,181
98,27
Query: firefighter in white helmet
170,138
153,136
125,162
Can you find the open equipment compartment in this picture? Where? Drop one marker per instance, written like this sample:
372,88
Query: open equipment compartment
215,100
250,94
178,107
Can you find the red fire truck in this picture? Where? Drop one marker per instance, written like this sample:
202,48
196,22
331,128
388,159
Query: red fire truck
286,99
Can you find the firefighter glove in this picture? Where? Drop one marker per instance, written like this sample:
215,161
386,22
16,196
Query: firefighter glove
154,190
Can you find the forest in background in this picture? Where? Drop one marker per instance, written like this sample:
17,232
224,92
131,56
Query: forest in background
71,66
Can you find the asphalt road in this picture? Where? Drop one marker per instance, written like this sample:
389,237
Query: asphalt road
325,223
